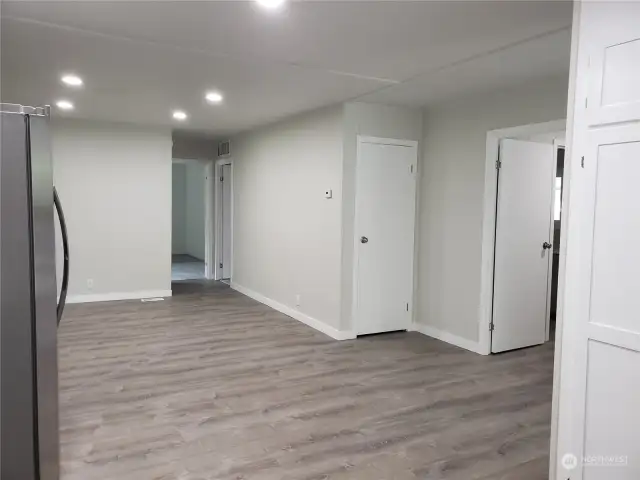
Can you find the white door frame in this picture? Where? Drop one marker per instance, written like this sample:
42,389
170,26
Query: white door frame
356,238
217,216
489,219
209,232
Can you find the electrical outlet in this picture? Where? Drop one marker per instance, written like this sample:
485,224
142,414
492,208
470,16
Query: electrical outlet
89,283
297,300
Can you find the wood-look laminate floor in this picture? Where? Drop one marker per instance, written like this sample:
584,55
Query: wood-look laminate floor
213,385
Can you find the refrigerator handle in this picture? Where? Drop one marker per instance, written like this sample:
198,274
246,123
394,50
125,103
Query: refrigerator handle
65,250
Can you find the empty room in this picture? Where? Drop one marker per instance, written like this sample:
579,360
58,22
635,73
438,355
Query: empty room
293,239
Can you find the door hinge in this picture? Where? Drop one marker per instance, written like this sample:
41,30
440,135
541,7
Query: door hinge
498,164
582,162
586,102
492,327
411,168
222,179
407,307
220,264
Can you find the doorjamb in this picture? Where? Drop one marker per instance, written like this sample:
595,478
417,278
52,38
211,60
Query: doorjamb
489,219
558,143
209,192
217,217
360,139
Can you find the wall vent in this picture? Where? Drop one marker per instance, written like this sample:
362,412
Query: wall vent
224,149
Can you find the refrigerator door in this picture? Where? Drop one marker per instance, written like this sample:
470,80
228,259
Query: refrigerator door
28,333
18,405
45,301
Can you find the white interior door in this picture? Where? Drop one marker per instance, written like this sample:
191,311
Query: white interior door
523,250
226,221
385,223
599,436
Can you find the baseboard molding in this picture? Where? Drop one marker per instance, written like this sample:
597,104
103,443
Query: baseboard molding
448,337
110,297
301,317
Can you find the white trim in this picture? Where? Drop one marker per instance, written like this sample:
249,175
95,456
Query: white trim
387,141
356,239
183,161
109,297
217,216
561,368
447,337
489,219
293,313
209,211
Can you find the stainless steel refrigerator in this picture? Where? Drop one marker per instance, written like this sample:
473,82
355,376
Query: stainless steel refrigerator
31,305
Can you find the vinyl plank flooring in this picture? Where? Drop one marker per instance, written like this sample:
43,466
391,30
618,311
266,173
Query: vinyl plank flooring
187,270
210,384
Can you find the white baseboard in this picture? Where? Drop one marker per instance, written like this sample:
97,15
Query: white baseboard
447,337
301,317
109,297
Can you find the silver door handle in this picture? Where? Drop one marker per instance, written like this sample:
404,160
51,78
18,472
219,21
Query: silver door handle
364,240
546,245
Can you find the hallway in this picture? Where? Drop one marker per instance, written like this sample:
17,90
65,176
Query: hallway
186,267
213,385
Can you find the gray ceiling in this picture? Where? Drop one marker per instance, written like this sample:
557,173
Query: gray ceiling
141,60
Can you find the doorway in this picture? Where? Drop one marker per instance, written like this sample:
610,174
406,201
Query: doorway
223,222
384,234
558,190
188,220
526,239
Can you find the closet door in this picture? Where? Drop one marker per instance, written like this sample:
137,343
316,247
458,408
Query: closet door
599,436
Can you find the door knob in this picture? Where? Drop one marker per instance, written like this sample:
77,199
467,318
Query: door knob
547,245
364,239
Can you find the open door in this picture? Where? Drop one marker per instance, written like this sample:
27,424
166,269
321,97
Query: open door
523,247
225,246
223,222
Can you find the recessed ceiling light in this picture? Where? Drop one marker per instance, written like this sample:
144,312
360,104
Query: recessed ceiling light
271,4
72,80
179,115
213,97
64,105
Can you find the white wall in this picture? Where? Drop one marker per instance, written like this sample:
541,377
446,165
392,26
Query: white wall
178,208
115,185
377,121
451,200
195,209
287,236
